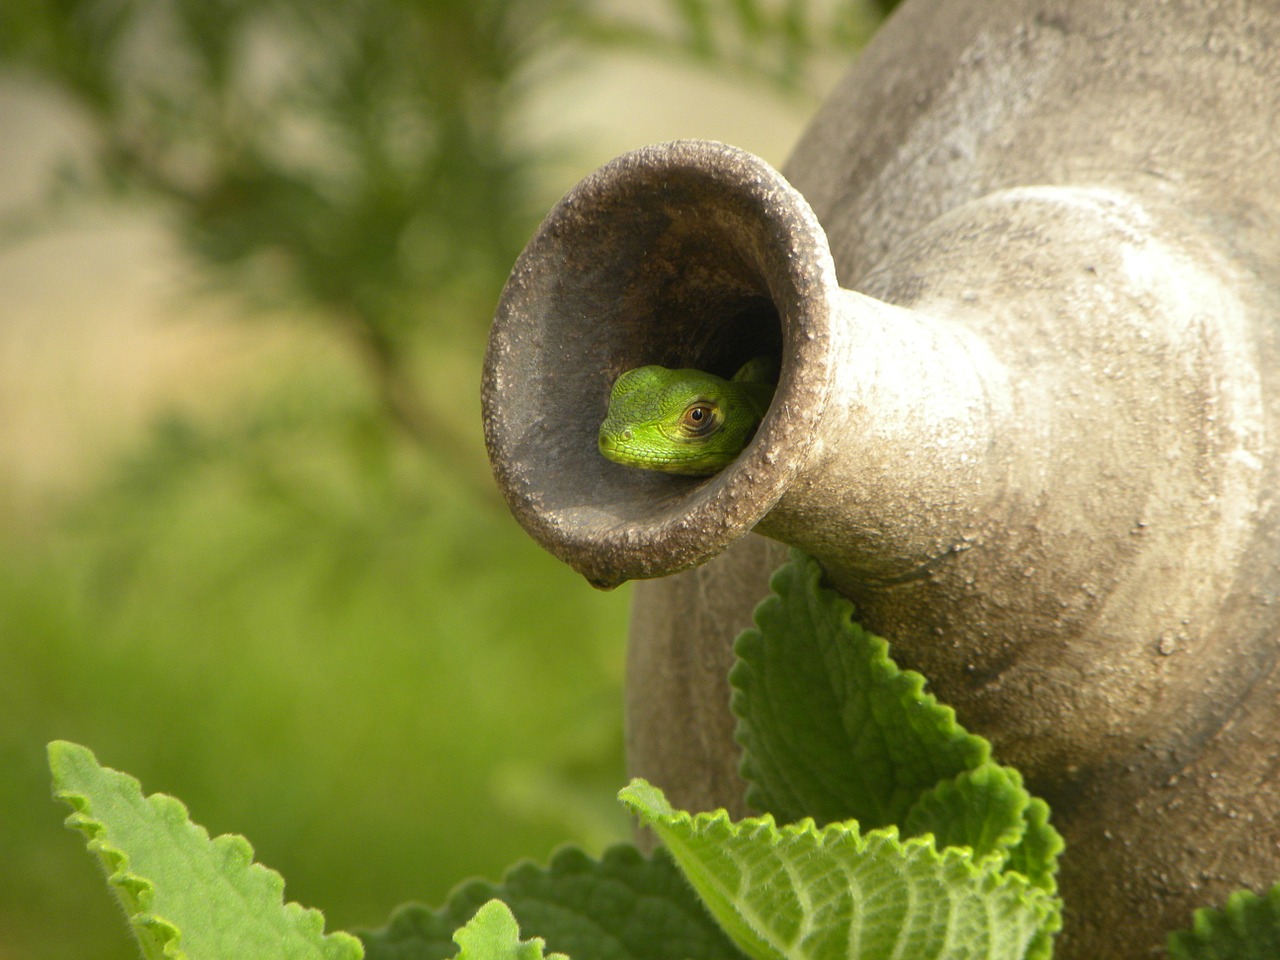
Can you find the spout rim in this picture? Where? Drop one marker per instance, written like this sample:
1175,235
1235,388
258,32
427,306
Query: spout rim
689,523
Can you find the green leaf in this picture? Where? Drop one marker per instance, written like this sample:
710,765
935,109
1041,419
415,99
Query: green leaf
1036,857
184,894
804,893
988,811
1247,928
492,934
831,728
624,906
980,809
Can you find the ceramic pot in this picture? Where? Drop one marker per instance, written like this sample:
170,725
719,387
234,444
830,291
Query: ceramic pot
1033,437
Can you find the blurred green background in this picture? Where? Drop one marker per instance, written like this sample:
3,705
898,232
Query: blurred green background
250,551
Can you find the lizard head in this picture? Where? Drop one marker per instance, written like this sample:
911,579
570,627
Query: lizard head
677,421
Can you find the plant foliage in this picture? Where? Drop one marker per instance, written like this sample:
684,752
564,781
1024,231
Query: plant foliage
803,893
832,729
492,934
1247,928
929,849
185,895
624,906
958,866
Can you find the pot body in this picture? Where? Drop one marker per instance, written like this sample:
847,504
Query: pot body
1022,277
1093,190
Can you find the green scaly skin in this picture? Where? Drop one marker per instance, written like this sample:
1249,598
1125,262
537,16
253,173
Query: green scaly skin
685,421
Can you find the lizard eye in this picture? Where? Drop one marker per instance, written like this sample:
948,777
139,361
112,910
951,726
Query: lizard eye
699,419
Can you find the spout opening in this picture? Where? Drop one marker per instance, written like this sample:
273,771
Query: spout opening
685,254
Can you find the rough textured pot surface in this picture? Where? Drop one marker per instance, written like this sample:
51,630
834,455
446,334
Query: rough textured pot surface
1038,446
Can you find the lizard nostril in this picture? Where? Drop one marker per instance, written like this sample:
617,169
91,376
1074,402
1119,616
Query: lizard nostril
626,434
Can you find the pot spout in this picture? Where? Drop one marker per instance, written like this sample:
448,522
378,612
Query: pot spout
697,254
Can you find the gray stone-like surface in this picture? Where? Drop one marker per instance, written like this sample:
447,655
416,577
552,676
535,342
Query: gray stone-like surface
1038,446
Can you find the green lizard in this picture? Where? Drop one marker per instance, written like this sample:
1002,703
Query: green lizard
685,421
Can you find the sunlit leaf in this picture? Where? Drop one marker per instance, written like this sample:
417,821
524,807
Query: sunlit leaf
184,894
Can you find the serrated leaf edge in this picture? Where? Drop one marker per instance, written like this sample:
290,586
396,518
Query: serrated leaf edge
801,565
135,893
806,567
1205,920
481,889
987,869
567,862
140,891
496,911
987,877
